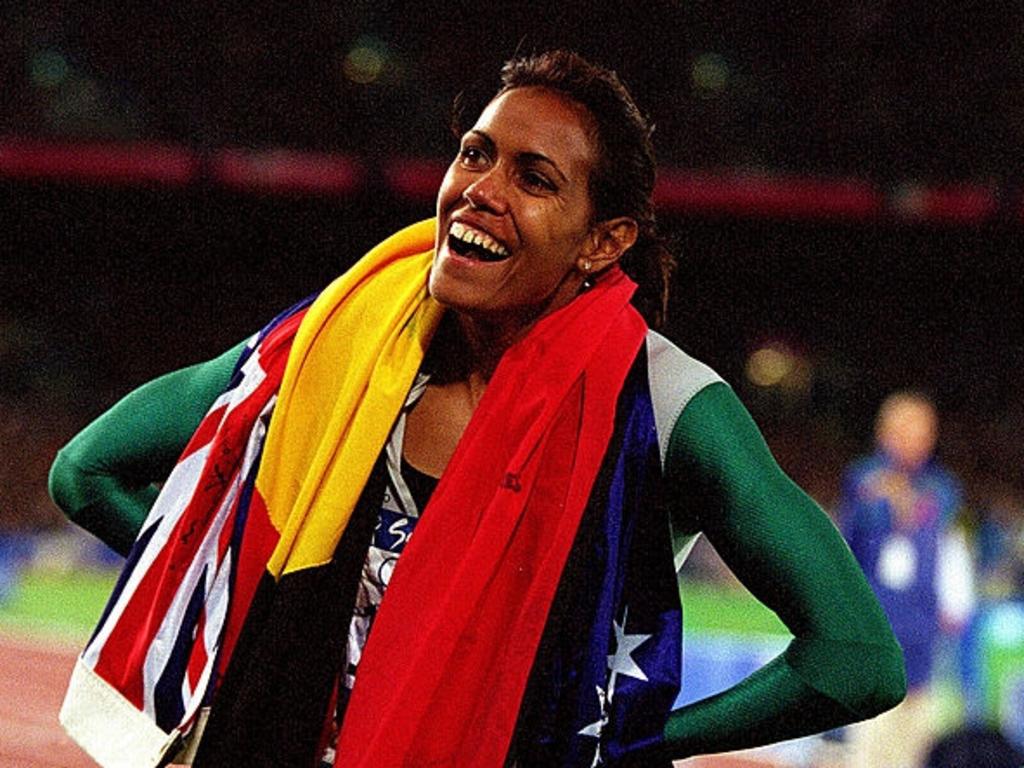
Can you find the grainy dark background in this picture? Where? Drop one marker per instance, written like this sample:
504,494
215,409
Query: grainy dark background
104,286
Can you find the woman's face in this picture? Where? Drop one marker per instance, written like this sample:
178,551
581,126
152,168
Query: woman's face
514,213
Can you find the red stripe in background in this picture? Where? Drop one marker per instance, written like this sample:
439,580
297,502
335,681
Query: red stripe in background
415,179
286,171
98,162
694,192
764,195
952,204
680,191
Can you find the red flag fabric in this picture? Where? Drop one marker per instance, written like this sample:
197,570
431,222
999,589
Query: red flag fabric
443,673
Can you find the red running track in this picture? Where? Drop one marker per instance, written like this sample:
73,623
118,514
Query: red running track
33,675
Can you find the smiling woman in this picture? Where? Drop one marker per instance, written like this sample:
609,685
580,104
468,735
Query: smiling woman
520,184
484,381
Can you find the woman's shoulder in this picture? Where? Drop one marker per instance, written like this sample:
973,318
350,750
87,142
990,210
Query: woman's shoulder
675,378
669,364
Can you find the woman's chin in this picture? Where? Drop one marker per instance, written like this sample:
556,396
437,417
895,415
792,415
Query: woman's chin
455,294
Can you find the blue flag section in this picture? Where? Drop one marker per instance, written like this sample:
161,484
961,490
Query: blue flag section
608,669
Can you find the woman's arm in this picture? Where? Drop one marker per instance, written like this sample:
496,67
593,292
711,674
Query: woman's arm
104,478
844,663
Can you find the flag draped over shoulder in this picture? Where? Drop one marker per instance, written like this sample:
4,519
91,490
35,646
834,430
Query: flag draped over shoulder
242,501
466,608
608,668
510,503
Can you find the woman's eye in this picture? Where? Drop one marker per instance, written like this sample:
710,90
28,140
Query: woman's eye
538,181
471,156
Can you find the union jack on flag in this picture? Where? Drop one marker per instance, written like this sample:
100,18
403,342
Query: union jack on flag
152,663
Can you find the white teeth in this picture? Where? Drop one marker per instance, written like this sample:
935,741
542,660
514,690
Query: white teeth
475,237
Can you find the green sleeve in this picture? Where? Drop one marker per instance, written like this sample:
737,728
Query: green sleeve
843,663
104,478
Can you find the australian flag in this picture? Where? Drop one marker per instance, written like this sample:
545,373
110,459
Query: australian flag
608,668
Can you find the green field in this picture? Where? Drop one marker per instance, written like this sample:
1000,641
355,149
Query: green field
726,609
67,604
60,605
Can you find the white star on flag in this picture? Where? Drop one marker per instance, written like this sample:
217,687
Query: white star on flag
621,662
595,728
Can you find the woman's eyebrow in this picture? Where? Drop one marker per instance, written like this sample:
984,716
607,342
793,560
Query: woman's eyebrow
537,157
487,141
529,157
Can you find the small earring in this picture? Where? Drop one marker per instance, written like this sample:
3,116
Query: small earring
588,279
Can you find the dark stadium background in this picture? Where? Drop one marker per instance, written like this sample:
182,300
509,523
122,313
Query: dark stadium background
108,278
842,182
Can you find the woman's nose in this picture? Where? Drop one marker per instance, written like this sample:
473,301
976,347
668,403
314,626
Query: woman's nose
486,194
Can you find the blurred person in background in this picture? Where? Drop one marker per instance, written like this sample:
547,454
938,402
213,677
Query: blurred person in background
489,370
999,531
991,650
897,511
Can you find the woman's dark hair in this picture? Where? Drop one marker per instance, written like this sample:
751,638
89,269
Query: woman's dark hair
622,182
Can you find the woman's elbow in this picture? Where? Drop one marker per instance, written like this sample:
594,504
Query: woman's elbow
890,681
63,482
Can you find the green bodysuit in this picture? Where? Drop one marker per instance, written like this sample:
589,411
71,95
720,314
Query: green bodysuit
842,665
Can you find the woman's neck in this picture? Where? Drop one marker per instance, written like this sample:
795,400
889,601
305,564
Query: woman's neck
467,349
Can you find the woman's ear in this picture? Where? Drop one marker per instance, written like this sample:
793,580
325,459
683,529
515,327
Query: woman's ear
607,241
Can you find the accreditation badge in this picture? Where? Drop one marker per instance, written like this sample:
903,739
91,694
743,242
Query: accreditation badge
897,563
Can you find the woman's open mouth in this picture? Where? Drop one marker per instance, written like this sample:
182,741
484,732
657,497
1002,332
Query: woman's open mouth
472,243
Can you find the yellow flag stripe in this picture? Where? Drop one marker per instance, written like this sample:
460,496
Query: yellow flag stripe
350,368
